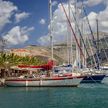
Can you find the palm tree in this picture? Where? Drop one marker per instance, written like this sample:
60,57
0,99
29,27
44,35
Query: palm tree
9,60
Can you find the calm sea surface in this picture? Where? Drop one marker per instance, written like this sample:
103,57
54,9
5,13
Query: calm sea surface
85,96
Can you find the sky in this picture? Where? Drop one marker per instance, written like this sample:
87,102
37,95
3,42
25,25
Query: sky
26,22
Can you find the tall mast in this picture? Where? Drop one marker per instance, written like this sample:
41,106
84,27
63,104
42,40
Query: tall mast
76,32
69,38
97,36
97,40
73,31
84,63
85,40
69,29
93,38
82,31
51,37
76,49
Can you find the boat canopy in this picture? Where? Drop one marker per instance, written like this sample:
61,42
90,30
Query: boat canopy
47,66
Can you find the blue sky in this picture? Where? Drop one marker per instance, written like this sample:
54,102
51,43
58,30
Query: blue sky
37,10
25,22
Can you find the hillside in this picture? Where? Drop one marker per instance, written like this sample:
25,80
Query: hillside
60,50
44,52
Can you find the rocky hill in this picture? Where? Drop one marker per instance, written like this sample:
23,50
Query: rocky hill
45,52
61,52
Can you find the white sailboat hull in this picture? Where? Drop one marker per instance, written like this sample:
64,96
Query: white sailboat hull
50,82
105,80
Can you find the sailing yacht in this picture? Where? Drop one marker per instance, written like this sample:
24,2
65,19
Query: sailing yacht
44,78
90,75
51,80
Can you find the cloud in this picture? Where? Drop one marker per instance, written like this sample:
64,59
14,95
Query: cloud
21,16
44,40
60,23
89,3
92,16
7,9
17,35
102,16
93,2
42,21
103,20
27,30
54,3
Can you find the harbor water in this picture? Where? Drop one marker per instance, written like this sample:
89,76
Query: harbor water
85,96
